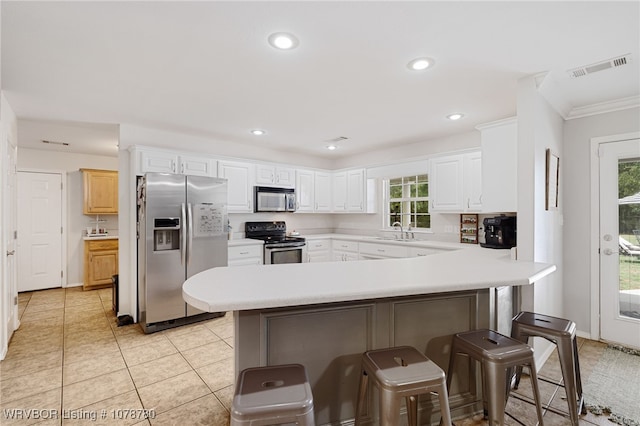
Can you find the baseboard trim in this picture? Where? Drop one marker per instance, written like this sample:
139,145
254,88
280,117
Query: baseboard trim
73,285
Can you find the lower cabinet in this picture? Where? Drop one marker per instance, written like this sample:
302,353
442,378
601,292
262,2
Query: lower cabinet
318,251
100,263
245,255
344,251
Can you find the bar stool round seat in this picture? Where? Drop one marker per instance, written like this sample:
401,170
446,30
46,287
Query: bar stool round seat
562,333
273,395
401,372
498,355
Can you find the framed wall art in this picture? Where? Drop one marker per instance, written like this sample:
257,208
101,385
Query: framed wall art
552,181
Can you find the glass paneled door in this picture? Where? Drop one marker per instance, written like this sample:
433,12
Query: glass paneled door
620,242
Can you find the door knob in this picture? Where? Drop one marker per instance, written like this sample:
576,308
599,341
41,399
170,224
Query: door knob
609,252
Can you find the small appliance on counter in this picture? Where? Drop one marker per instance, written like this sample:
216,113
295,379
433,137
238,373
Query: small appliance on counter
499,232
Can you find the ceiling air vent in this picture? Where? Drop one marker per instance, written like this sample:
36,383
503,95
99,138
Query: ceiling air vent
600,66
338,139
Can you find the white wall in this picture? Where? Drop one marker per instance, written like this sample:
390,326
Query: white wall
539,230
577,202
71,163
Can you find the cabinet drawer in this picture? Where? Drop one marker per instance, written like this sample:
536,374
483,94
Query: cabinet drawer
317,245
342,245
243,252
102,245
383,250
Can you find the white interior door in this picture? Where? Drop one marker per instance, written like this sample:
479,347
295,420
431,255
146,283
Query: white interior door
39,249
619,267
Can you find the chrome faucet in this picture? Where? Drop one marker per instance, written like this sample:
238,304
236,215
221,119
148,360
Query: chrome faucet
394,224
409,233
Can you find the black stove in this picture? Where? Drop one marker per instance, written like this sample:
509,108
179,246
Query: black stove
274,234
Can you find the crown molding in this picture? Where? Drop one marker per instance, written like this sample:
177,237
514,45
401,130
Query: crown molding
603,107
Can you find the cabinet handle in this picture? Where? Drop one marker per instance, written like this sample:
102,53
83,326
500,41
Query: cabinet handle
381,250
421,254
173,166
244,252
182,168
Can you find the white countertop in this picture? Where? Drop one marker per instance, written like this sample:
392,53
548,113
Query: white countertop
270,286
245,242
100,237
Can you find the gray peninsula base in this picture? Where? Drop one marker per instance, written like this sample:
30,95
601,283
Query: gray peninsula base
329,339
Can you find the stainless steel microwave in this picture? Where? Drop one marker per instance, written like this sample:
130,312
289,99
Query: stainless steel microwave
271,199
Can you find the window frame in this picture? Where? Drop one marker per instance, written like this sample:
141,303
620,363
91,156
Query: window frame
405,199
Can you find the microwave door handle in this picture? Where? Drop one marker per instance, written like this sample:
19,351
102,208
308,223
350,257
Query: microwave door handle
183,235
190,232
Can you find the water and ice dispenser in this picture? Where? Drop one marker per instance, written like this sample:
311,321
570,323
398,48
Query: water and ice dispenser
166,234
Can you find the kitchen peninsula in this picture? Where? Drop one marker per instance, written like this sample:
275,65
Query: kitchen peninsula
325,315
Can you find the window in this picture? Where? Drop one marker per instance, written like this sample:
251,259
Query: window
408,202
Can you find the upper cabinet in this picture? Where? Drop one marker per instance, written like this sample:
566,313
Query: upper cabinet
349,191
499,165
322,191
100,191
159,161
275,175
240,185
456,183
305,198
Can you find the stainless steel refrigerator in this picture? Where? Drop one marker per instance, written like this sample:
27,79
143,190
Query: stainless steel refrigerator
182,230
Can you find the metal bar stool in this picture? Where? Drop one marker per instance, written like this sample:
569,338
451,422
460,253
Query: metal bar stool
273,395
562,333
401,372
498,355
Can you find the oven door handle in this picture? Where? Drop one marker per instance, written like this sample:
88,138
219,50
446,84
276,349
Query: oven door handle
285,245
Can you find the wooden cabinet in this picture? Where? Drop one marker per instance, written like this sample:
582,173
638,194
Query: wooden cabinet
240,185
100,191
100,263
275,175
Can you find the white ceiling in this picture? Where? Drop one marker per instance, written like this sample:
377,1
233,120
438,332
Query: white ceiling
206,68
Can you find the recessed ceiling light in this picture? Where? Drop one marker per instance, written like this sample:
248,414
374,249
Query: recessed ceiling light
283,41
420,64
455,116
332,147
258,132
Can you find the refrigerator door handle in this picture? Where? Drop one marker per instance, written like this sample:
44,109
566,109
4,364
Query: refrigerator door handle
189,231
183,235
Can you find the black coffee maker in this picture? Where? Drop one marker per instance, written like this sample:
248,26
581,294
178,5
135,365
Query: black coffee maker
499,232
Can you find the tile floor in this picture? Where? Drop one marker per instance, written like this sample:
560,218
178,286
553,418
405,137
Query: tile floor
70,361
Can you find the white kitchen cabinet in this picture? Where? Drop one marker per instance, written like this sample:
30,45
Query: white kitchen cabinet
322,191
355,191
382,251
240,185
424,251
473,188
275,175
305,198
455,183
339,192
173,162
499,141
318,250
245,255
344,251
348,191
